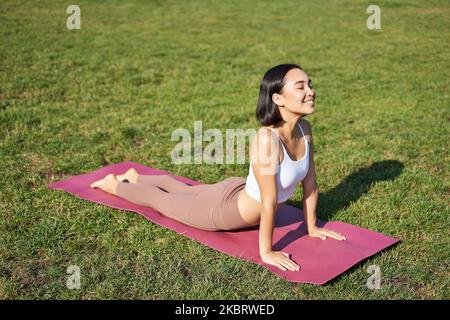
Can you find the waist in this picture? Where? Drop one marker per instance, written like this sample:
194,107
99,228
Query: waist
256,195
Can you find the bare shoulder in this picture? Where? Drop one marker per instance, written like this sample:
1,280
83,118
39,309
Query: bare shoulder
266,135
265,142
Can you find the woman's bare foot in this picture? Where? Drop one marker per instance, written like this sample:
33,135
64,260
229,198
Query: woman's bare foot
131,175
108,183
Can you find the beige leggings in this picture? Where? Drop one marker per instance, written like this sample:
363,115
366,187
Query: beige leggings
209,207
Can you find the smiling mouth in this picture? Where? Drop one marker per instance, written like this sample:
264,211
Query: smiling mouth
310,101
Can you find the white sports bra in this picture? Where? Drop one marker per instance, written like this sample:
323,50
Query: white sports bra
290,173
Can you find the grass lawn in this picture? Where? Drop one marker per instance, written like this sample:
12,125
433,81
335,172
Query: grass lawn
72,101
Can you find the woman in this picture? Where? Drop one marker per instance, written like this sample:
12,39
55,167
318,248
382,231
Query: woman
285,96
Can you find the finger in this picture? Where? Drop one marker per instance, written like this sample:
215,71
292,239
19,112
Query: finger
319,235
295,266
285,263
281,267
328,233
286,254
335,235
291,264
343,237
316,235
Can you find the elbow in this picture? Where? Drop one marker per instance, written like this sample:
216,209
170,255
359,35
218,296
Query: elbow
310,185
309,189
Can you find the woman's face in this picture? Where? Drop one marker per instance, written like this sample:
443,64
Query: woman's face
297,94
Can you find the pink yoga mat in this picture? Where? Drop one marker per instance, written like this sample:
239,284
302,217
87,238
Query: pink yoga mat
320,260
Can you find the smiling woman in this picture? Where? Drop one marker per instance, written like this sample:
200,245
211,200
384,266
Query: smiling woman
286,95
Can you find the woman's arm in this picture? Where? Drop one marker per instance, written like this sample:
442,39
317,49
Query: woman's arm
310,199
265,167
266,225
311,196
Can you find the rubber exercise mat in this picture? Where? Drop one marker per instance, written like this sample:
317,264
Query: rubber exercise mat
320,260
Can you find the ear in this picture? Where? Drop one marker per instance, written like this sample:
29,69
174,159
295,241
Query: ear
278,99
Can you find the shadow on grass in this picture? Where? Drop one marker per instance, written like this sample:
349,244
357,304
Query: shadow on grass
350,189
354,187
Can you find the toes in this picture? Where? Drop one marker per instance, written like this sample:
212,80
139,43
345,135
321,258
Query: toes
110,177
130,175
99,183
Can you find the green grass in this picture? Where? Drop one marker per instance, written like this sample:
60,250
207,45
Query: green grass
72,101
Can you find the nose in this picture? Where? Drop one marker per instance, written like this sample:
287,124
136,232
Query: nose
311,93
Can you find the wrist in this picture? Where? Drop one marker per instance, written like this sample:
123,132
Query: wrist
264,252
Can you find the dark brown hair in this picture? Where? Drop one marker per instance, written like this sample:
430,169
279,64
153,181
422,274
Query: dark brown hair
267,112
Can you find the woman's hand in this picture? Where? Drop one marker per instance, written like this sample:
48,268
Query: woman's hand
323,233
281,260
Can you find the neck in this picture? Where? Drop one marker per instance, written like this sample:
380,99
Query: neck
287,128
